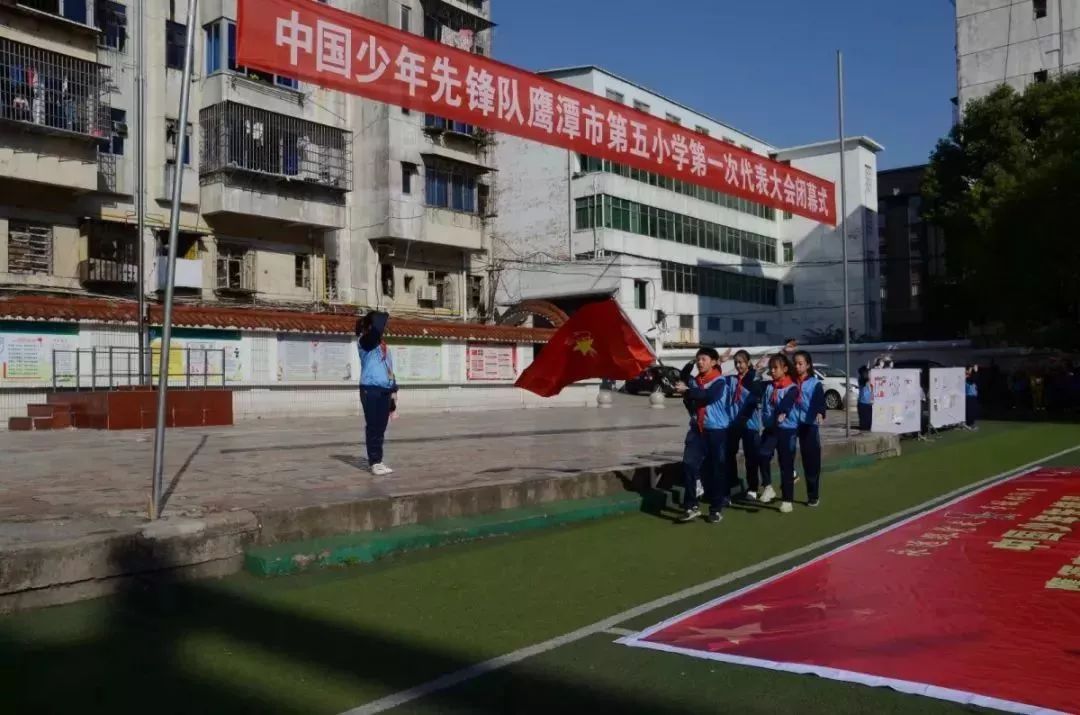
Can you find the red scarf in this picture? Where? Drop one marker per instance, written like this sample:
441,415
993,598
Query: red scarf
779,385
739,380
703,380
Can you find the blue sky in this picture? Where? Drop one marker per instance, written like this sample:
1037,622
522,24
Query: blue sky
766,67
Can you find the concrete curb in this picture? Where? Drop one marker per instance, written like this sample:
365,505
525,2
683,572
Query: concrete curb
48,573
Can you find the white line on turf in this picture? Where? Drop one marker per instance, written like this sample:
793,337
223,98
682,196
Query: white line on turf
625,632
475,671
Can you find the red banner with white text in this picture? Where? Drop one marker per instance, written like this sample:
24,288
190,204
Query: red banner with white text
332,48
976,602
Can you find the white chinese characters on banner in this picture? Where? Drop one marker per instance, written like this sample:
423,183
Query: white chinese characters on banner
897,401
492,362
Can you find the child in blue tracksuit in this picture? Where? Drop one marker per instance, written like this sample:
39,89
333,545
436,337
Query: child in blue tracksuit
706,440
971,393
378,388
745,428
809,411
780,428
866,400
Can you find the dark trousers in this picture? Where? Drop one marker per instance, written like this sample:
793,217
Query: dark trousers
782,443
810,449
866,416
972,408
701,449
751,444
376,404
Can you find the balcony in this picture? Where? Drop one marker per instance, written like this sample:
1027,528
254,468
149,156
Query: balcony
189,273
77,14
259,163
53,112
102,272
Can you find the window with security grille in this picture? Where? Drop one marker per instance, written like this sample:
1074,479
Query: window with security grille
303,271
235,268
30,248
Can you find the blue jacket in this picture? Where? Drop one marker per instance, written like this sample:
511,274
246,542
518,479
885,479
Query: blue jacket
745,401
376,363
776,402
866,394
809,401
713,398
971,389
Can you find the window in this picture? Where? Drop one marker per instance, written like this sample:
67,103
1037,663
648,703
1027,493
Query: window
673,118
29,247
112,20
302,265
408,170
114,143
1039,6
212,47
406,14
788,215
641,295
449,189
476,292
386,279
235,268
615,96
717,283
410,284
641,106
714,324
434,121
760,327
175,41
789,294
789,252
738,326
171,137
252,74
1042,77
701,130
332,281
686,322
483,200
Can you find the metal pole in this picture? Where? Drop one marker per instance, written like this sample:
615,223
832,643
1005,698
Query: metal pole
597,217
844,242
570,213
140,176
1061,39
170,279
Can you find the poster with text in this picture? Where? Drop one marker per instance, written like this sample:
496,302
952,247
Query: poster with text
492,363
27,357
417,361
897,401
315,359
947,403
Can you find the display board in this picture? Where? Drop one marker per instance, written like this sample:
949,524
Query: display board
492,363
947,403
26,356
419,361
200,353
315,359
897,401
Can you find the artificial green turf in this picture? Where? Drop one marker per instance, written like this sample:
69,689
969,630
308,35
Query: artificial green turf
324,642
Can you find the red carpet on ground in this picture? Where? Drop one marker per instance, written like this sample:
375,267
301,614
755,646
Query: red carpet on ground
977,601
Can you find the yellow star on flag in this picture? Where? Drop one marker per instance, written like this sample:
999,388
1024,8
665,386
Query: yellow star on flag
583,343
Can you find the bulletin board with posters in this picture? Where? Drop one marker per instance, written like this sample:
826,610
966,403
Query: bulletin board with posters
947,392
491,363
200,353
27,353
316,359
417,361
897,401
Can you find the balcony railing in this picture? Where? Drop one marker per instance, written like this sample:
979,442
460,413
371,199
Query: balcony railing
104,271
52,91
239,138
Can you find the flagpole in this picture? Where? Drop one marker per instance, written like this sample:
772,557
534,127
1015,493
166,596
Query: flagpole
140,179
843,243
170,280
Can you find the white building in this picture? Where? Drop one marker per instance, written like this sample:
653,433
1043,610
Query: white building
293,195
1014,42
719,269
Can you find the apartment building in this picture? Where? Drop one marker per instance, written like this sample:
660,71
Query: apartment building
293,195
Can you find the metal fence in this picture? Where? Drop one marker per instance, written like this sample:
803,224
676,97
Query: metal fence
108,368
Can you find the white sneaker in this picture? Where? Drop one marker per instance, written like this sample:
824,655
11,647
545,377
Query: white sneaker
700,489
381,470
786,507
751,496
767,495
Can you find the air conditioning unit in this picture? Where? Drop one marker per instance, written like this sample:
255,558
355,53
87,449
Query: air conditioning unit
428,293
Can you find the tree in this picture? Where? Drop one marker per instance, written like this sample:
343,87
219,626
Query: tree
1000,186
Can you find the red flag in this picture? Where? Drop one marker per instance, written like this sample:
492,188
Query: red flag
598,341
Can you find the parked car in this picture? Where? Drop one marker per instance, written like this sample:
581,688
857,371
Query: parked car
834,381
662,376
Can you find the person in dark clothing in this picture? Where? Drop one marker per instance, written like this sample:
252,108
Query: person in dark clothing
866,400
745,429
971,391
780,430
706,439
809,413
378,387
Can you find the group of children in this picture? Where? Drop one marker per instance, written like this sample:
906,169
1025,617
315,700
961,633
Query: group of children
764,417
